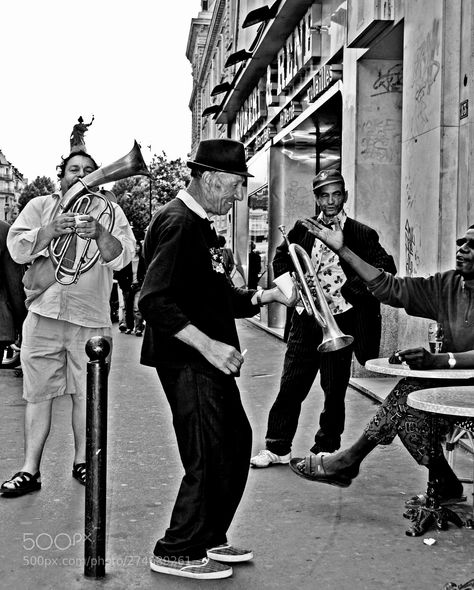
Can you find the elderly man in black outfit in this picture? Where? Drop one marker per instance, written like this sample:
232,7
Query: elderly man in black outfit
190,337
356,312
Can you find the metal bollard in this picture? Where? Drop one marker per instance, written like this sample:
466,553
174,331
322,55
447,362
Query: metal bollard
97,349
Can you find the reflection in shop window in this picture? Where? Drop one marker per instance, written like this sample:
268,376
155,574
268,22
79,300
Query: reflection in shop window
258,232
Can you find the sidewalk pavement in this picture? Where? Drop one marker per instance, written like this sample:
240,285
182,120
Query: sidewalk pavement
304,535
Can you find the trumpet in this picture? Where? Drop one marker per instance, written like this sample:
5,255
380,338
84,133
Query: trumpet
78,199
314,301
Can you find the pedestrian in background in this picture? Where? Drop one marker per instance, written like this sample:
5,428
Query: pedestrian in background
190,337
255,266
12,294
133,316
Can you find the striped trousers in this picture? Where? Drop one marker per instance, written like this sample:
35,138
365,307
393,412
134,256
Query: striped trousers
301,365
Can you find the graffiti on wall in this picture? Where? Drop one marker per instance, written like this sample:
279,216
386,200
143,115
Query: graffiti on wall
388,81
426,70
410,196
380,140
412,258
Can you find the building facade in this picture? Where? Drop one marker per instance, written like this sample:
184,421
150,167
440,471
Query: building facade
379,89
12,184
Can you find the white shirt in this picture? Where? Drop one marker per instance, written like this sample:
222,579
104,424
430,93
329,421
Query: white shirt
85,303
329,272
191,203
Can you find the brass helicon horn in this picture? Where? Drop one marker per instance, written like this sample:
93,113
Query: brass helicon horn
78,200
314,301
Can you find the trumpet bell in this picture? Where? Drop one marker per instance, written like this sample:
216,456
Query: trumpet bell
332,343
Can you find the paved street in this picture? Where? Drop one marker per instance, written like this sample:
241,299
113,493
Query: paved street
305,535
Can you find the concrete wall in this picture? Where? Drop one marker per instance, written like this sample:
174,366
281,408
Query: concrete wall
424,139
378,160
290,198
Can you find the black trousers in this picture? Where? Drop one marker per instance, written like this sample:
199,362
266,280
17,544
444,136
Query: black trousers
301,365
214,440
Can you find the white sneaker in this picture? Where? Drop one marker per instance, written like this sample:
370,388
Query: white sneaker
199,569
227,553
266,458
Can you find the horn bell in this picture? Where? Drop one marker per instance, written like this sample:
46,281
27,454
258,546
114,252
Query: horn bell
132,164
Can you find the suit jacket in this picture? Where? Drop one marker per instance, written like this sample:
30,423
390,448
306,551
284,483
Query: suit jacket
12,294
364,241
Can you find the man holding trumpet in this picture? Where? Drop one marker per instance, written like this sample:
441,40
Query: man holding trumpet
62,316
355,310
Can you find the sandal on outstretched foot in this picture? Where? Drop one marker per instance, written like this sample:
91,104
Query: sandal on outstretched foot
79,472
21,483
312,467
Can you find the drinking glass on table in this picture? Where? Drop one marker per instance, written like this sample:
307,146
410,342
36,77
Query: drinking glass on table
435,337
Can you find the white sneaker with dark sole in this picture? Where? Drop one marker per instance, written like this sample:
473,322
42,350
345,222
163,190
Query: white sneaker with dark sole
227,553
266,458
200,569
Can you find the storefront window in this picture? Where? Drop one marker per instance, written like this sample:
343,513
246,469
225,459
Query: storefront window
258,236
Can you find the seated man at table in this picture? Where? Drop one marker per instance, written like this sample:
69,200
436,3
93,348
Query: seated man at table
444,297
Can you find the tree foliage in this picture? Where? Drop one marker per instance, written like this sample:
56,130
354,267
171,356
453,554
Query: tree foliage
42,185
136,195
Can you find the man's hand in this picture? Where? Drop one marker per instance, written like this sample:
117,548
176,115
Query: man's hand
89,228
275,294
224,357
62,224
333,238
418,358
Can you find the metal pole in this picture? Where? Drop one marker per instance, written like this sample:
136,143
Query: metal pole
97,350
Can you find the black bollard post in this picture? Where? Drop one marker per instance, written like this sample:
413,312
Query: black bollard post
97,349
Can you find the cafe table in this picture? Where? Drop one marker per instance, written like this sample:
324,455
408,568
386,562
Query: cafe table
454,401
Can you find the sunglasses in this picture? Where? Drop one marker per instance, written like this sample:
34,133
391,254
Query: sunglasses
463,242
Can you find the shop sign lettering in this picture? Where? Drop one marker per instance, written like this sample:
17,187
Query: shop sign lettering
289,113
299,50
252,111
323,78
263,137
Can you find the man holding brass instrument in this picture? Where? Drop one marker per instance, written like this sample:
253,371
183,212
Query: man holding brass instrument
356,311
62,316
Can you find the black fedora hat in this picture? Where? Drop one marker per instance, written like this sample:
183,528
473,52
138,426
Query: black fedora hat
221,155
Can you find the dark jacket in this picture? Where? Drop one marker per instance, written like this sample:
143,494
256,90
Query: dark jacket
12,294
124,276
186,283
364,241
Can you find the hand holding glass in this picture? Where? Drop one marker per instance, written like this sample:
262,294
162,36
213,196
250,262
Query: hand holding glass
435,337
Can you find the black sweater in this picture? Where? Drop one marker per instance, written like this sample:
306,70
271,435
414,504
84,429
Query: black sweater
186,283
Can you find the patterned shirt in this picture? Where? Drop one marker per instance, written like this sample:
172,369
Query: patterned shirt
329,272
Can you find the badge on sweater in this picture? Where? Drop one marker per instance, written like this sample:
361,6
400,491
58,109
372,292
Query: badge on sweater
217,260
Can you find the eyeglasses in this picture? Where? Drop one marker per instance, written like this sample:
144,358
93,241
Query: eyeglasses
463,242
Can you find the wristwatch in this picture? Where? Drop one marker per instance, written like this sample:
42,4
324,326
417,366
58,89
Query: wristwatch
259,297
451,360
